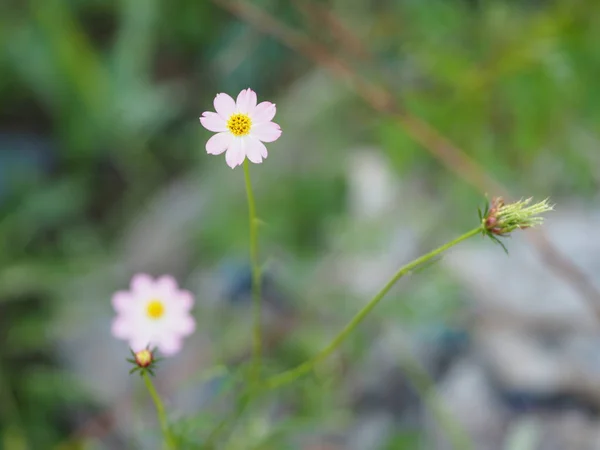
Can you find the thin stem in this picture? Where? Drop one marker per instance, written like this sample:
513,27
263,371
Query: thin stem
256,291
160,410
304,368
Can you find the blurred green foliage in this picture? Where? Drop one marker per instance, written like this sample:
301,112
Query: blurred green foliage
98,114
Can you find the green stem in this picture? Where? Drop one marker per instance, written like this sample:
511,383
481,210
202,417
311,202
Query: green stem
306,367
160,410
256,291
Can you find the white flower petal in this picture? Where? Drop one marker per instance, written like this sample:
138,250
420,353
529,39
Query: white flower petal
264,112
180,324
122,301
142,283
185,300
266,132
167,283
246,101
175,308
187,326
263,150
140,342
169,345
236,152
218,143
255,150
213,122
121,328
224,105
167,287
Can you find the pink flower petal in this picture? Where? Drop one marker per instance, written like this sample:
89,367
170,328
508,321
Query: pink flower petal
255,150
235,153
122,301
185,300
178,301
167,286
218,143
224,105
263,149
186,326
180,325
169,345
264,112
266,132
140,342
246,101
213,122
121,328
142,283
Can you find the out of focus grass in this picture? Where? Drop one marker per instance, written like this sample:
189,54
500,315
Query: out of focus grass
98,115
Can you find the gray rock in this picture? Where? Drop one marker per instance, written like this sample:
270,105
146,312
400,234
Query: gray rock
471,407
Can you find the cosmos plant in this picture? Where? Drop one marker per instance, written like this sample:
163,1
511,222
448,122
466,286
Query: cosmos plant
154,315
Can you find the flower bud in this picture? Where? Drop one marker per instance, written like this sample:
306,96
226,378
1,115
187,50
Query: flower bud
143,361
144,358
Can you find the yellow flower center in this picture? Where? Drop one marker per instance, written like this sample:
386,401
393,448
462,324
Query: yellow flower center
239,124
155,309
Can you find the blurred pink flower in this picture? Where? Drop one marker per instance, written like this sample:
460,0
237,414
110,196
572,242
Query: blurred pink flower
153,313
241,126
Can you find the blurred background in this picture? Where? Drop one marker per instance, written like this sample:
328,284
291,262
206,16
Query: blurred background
398,117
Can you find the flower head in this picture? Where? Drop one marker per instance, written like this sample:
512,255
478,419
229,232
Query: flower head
241,126
500,218
153,313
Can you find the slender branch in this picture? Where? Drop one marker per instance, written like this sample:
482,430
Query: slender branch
306,367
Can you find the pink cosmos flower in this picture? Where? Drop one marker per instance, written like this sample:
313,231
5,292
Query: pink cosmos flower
241,126
153,313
